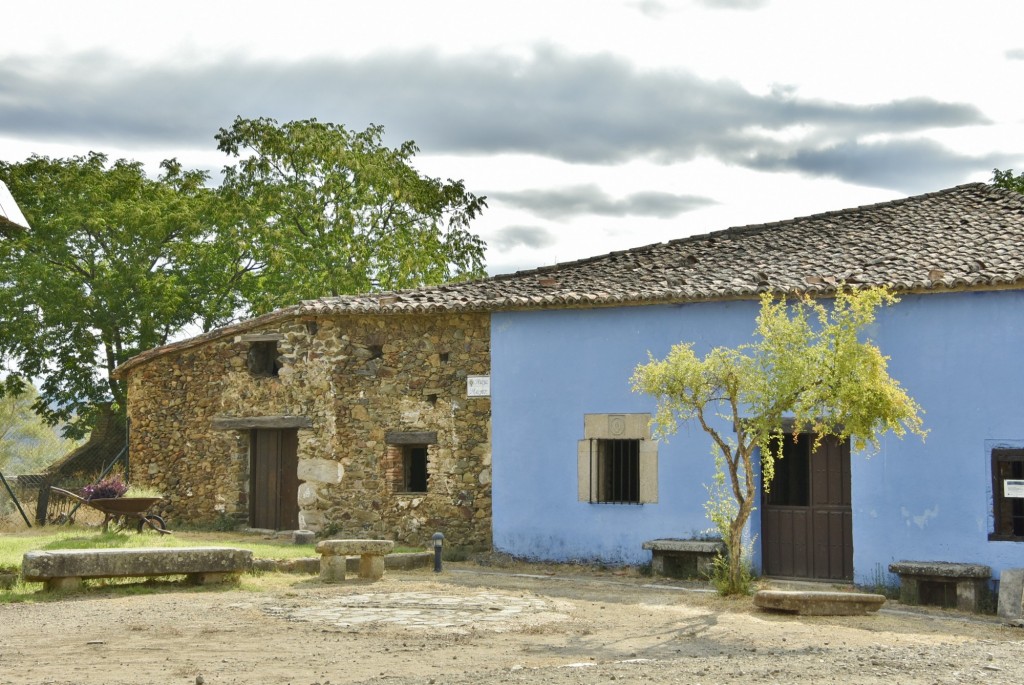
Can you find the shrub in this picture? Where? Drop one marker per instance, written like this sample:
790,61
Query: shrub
105,489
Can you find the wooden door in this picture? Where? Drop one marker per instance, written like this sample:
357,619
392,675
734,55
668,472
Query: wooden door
807,517
274,482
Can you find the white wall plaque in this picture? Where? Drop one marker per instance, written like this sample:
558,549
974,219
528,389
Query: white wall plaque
478,386
1013,488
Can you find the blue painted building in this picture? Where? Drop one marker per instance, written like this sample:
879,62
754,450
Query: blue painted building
954,339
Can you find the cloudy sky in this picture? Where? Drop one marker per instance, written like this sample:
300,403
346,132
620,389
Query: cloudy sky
591,126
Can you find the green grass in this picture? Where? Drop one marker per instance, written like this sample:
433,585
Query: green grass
14,545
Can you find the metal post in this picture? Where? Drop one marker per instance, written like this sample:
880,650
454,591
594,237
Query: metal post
437,539
14,498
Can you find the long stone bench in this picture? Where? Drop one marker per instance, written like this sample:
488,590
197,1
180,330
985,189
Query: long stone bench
819,603
64,569
334,553
942,583
683,558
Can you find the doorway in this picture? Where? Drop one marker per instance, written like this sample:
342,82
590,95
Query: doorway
807,517
273,479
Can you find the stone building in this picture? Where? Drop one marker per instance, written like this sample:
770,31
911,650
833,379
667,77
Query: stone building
327,416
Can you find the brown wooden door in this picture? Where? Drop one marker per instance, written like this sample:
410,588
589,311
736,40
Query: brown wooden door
807,518
274,483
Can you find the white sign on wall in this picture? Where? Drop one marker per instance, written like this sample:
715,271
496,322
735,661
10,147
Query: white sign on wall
1013,488
478,386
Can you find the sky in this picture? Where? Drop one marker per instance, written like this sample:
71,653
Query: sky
591,126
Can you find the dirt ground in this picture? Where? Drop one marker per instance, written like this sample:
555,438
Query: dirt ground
474,624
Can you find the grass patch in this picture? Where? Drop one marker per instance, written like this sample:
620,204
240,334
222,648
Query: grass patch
14,546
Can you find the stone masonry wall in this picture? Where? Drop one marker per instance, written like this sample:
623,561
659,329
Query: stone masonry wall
357,378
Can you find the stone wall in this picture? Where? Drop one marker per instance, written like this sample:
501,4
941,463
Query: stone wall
357,379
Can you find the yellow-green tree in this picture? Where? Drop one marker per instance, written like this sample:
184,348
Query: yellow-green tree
809,364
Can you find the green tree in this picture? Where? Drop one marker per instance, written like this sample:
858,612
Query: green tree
27,444
336,212
1006,179
113,263
807,364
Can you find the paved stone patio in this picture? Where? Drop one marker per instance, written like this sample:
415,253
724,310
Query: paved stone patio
485,610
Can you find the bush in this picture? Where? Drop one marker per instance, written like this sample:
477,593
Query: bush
108,488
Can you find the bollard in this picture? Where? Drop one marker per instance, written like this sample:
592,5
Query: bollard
438,541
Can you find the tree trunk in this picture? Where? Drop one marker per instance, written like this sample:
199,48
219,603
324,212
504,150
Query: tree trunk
736,584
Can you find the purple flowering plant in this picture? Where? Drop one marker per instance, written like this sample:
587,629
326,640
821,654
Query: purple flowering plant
107,488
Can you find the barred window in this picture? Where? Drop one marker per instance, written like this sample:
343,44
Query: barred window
617,461
1007,494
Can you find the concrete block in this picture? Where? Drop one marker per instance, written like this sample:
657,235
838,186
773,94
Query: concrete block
1011,593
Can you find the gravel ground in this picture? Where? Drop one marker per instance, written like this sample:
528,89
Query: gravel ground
474,624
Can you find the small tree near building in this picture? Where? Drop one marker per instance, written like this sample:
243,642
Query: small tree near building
809,365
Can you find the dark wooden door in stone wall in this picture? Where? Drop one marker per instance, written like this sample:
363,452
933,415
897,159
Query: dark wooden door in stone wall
806,518
274,481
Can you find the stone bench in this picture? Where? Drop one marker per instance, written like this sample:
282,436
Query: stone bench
64,569
334,553
683,558
941,583
818,603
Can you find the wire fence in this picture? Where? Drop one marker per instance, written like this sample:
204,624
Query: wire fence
27,499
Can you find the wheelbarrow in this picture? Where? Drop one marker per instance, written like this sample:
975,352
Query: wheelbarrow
124,513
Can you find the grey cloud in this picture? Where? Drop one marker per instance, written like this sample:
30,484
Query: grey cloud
594,109
1015,54
733,4
910,166
651,8
509,237
590,199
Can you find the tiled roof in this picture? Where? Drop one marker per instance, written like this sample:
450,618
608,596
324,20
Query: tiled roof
970,236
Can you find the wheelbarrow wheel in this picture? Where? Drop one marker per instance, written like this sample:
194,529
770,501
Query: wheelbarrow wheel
154,522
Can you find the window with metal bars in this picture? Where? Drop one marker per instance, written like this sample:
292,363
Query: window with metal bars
616,468
1008,494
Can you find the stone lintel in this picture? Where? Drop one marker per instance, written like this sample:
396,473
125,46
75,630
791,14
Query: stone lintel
940,570
411,437
249,422
259,337
819,603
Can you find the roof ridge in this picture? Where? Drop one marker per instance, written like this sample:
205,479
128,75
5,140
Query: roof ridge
748,229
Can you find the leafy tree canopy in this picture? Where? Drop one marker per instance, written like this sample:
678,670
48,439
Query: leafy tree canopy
1006,179
336,212
113,263
808,364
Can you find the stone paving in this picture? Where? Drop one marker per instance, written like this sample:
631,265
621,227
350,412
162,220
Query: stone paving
485,610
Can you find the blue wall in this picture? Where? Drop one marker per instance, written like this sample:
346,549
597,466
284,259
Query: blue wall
955,353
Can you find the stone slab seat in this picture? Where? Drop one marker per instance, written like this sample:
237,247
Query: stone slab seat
971,581
64,569
333,555
819,603
683,558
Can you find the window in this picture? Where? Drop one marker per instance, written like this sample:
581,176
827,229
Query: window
617,462
406,467
1008,494
263,358
791,486
406,463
